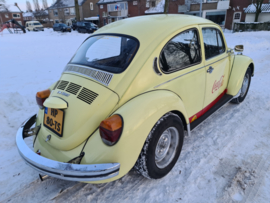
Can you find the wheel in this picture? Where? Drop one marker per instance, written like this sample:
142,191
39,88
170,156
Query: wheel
244,88
70,31
28,30
79,30
43,30
162,147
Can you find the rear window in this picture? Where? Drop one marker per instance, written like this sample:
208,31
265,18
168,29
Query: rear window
107,52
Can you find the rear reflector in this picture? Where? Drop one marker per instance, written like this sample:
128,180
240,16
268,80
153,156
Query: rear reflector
111,129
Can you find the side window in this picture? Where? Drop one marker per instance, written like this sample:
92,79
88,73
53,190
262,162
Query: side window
181,52
213,42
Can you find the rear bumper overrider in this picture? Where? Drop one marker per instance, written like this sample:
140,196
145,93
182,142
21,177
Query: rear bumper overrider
61,170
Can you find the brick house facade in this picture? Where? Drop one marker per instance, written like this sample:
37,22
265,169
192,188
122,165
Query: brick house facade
64,11
236,12
8,12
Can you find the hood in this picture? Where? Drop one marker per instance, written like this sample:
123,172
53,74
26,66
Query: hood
84,103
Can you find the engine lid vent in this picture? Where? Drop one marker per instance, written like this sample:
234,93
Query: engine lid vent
73,88
98,75
87,95
62,85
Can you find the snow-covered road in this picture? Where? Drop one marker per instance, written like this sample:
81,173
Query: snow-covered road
226,159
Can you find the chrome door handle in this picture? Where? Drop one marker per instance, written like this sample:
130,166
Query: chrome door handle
210,70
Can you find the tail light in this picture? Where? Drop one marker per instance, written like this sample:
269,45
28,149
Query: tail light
111,129
41,97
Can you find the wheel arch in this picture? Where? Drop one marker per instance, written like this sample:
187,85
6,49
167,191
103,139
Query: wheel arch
140,115
239,68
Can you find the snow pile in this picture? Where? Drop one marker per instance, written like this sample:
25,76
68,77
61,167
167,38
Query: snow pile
159,8
252,8
226,159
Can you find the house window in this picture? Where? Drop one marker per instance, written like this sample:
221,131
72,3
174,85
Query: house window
56,21
66,11
237,16
101,6
6,15
217,17
15,15
135,2
147,4
72,11
55,12
91,6
153,4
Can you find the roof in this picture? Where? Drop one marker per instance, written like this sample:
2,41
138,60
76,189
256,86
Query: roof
65,3
158,27
11,8
110,1
252,9
28,14
159,8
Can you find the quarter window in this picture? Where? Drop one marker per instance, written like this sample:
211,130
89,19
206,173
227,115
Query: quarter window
213,42
181,52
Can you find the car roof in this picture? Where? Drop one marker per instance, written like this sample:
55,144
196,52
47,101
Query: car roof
152,24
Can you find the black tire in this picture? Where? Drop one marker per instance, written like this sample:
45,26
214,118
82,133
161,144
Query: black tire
79,30
146,164
243,95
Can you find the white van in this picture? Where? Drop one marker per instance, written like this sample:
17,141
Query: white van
34,26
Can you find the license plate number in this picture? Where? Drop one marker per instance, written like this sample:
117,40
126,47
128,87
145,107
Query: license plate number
53,120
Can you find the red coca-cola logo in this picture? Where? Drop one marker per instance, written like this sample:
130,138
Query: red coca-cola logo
218,84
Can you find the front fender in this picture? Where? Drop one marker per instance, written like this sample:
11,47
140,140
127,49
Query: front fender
139,115
240,66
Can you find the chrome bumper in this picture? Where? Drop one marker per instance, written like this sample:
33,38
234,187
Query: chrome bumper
65,171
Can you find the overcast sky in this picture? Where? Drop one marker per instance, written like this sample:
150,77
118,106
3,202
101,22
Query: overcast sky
22,3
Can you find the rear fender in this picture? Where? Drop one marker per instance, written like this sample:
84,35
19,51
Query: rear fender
240,66
139,115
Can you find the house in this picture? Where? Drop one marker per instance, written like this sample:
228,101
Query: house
28,16
8,12
64,11
263,17
113,10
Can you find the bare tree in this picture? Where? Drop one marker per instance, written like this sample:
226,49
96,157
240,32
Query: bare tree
45,4
36,5
258,6
28,6
77,9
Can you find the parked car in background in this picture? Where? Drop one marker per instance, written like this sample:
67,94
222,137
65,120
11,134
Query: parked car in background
61,27
86,27
34,26
126,98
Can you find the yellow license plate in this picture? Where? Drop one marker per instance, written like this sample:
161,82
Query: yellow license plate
53,120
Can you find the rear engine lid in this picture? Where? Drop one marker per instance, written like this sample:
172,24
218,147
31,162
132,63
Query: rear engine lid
88,103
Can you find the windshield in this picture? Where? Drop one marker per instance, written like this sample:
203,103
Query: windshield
37,24
107,52
63,25
87,24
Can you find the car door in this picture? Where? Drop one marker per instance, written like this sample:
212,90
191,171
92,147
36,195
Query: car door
216,65
181,62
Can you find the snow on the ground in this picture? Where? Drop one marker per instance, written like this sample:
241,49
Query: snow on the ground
226,159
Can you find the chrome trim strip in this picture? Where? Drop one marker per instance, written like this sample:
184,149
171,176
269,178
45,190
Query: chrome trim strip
61,170
215,61
179,76
98,75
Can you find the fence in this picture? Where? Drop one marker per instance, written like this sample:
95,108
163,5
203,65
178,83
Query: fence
242,27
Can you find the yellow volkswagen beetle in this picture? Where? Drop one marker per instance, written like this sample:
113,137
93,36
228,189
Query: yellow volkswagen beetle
129,94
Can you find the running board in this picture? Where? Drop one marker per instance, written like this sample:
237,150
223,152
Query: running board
224,100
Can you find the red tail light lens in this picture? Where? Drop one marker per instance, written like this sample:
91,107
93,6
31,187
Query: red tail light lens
41,97
111,129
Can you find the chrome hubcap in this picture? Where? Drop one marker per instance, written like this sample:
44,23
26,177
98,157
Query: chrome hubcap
166,147
245,85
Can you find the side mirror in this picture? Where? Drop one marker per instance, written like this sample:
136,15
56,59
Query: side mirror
239,48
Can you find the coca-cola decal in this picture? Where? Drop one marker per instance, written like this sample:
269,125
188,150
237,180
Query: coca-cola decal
218,84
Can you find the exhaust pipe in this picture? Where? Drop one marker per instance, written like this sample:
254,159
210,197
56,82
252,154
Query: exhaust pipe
43,177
